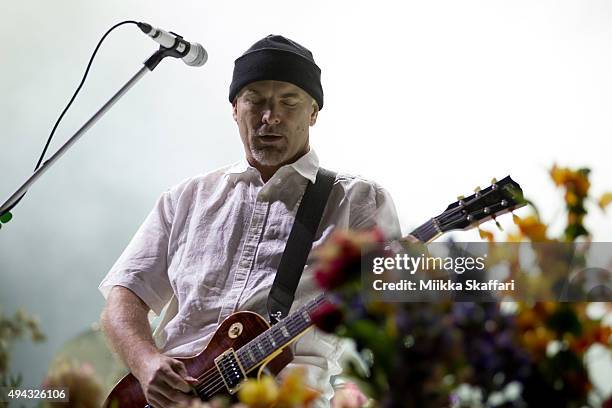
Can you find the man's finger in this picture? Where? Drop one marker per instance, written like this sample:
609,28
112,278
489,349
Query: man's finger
180,368
176,378
172,394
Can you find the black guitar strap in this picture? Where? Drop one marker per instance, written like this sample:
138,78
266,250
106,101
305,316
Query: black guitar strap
299,244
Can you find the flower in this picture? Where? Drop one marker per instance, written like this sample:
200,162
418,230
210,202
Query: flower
427,350
339,258
605,200
294,392
532,228
327,317
259,393
575,180
80,380
265,392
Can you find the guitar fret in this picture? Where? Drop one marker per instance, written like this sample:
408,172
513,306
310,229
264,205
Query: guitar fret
271,339
254,352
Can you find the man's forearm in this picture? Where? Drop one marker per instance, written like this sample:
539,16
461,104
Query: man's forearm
125,322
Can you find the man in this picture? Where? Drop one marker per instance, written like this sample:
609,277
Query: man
212,244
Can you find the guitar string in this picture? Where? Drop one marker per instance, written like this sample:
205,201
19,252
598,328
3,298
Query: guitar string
205,384
217,384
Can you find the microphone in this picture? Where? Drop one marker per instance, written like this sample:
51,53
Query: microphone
192,53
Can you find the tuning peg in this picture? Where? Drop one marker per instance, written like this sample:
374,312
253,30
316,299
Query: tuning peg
460,197
477,189
493,180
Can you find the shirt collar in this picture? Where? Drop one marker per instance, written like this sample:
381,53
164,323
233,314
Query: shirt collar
307,166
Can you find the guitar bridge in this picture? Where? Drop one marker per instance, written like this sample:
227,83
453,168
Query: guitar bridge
232,372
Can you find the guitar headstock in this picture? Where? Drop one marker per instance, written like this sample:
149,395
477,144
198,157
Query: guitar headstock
499,198
467,212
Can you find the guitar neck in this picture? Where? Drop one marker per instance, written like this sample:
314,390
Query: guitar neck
427,232
278,336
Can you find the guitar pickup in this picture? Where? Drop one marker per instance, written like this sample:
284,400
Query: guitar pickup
230,369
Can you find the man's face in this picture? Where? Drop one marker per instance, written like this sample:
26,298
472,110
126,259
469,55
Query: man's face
273,119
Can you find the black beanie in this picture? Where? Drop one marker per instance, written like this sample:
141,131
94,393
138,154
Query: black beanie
279,59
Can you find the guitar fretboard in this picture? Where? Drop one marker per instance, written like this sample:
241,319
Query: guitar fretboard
428,231
282,333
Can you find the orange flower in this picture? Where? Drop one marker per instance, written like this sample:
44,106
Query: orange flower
574,180
536,341
571,198
560,175
294,392
532,228
488,235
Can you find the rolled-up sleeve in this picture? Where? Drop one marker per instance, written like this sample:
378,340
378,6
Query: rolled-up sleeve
377,210
142,267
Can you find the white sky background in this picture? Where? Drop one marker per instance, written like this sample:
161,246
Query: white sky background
428,98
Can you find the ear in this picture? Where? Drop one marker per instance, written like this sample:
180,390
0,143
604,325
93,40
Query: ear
235,109
314,114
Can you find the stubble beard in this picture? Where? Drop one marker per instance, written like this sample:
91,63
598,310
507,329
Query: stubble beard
267,155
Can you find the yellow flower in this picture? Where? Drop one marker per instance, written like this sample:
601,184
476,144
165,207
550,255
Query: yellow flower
262,393
532,228
575,180
570,198
605,200
294,392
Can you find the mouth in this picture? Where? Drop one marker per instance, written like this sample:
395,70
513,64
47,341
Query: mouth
270,137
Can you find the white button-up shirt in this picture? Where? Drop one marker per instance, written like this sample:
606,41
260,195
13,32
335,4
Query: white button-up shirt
212,244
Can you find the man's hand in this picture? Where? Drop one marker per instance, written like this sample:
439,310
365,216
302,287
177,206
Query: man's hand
164,381
348,396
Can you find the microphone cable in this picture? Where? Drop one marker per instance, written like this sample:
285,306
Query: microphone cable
6,216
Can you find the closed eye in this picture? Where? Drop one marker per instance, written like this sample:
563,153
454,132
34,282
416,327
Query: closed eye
290,102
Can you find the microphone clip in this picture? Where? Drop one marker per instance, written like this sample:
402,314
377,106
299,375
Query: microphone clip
178,50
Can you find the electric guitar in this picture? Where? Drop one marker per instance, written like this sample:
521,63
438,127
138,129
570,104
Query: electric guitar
245,342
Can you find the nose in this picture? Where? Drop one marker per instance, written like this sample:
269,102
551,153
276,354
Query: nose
270,116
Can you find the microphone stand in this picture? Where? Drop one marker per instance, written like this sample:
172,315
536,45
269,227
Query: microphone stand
149,65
